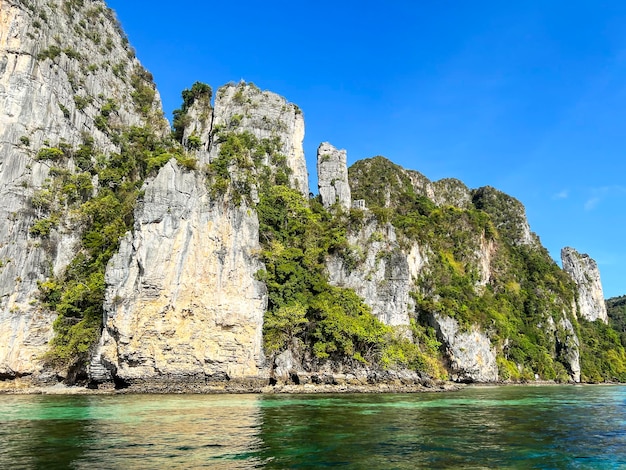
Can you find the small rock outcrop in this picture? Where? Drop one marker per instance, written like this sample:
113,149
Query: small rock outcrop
570,345
199,118
332,176
585,273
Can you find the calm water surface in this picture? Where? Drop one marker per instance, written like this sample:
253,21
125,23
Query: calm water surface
500,427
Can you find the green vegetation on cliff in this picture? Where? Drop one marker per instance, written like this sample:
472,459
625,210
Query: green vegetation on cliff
198,91
486,269
315,320
297,238
616,309
305,313
93,195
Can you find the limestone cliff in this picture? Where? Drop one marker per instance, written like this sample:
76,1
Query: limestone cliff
379,271
182,299
63,66
218,252
269,118
385,271
462,248
332,176
585,273
470,354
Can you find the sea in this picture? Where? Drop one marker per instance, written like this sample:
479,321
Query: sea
499,427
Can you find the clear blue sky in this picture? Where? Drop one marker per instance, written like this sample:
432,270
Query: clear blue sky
528,97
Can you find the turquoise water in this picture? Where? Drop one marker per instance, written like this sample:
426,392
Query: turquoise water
500,427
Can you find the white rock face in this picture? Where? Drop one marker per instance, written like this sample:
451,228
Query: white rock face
586,275
332,176
59,64
265,115
182,299
379,272
571,348
471,355
484,257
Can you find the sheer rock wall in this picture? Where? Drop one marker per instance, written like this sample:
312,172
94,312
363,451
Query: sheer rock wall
60,62
182,299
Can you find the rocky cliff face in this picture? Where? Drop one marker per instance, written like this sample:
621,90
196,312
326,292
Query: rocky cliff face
461,245
455,271
470,353
379,271
332,176
61,65
384,271
182,299
585,273
269,118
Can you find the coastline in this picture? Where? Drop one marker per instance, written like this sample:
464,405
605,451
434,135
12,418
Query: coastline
23,387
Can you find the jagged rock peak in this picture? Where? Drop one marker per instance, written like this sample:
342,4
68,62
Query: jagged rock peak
194,121
269,117
584,270
332,176
451,192
508,214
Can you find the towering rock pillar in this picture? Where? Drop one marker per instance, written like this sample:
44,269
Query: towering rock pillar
332,176
182,299
586,275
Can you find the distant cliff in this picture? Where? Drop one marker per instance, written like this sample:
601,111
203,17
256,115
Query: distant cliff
586,275
135,255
